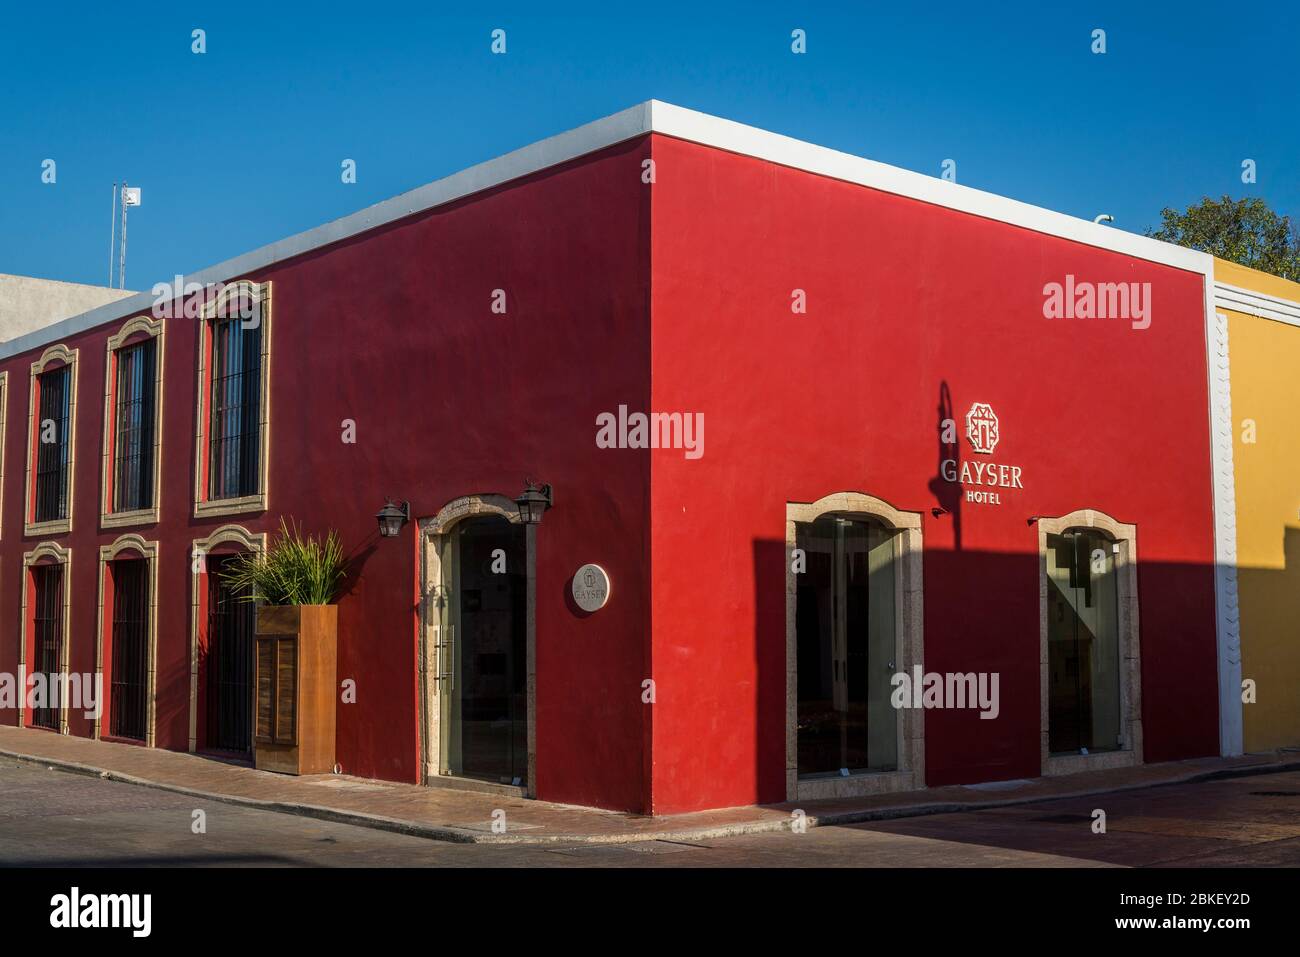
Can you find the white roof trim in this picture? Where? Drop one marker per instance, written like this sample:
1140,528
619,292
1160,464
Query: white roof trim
750,141
658,117
1256,303
628,124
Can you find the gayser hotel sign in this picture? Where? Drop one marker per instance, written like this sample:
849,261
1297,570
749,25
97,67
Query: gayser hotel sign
982,479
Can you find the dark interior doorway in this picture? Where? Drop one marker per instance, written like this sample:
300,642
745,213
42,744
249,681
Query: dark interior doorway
128,708
47,621
232,624
485,720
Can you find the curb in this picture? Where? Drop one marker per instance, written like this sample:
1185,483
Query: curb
462,835
360,818
958,807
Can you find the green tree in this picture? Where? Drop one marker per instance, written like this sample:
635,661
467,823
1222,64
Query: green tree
1243,231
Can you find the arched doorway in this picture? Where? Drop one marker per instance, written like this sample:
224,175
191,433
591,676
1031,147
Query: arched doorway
227,667
846,645
1090,654
477,662
223,624
854,619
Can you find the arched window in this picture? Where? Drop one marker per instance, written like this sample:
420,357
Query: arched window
233,420
52,426
133,376
853,621
1089,643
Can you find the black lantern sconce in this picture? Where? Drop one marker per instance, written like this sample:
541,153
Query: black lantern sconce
533,502
392,517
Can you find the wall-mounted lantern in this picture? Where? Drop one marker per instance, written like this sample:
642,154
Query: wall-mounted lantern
392,517
533,502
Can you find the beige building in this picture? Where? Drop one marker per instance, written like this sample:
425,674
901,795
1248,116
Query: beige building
28,304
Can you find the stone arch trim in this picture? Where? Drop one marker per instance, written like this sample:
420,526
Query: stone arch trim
467,506
46,553
232,534
146,324
433,538
148,551
50,550
55,353
258,292
128,542
152,328
229,534
858,503
909,625
1130,672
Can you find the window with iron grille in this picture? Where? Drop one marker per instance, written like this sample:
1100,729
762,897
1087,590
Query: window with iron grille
52,445
47,621
134,428
130,648
234,443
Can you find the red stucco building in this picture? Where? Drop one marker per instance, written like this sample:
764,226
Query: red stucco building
907,465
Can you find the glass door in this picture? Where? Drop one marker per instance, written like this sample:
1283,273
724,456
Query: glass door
846,646
445,655
1083,644
481,652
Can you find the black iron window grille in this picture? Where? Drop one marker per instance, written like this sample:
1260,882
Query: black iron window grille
134,428
47,619
52,447
232,625
127,709
234,446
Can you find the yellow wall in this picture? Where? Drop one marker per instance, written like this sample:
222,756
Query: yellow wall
1265,360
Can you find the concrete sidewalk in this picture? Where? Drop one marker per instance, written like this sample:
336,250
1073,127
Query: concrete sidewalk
467,816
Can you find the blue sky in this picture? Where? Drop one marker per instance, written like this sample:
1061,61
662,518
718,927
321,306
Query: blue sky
242,146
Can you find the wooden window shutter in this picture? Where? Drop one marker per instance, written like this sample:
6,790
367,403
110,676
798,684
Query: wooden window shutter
286,691
277,690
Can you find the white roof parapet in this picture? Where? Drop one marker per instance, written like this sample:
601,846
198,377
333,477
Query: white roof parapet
664,118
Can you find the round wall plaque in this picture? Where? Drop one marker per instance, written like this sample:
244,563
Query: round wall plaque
590,587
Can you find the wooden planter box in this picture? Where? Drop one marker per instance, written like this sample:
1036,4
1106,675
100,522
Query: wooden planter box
293,728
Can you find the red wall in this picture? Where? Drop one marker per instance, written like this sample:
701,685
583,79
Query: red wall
904,298
394,330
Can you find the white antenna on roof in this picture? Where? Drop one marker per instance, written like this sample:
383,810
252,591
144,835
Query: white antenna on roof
112,236
130,197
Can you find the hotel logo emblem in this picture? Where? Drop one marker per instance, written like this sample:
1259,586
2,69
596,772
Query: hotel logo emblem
982,428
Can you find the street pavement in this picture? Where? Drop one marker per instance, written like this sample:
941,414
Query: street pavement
51,818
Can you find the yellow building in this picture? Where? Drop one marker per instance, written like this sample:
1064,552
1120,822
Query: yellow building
1262,315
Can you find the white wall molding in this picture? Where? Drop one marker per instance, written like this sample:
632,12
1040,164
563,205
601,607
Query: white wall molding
1225,536
1256,304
